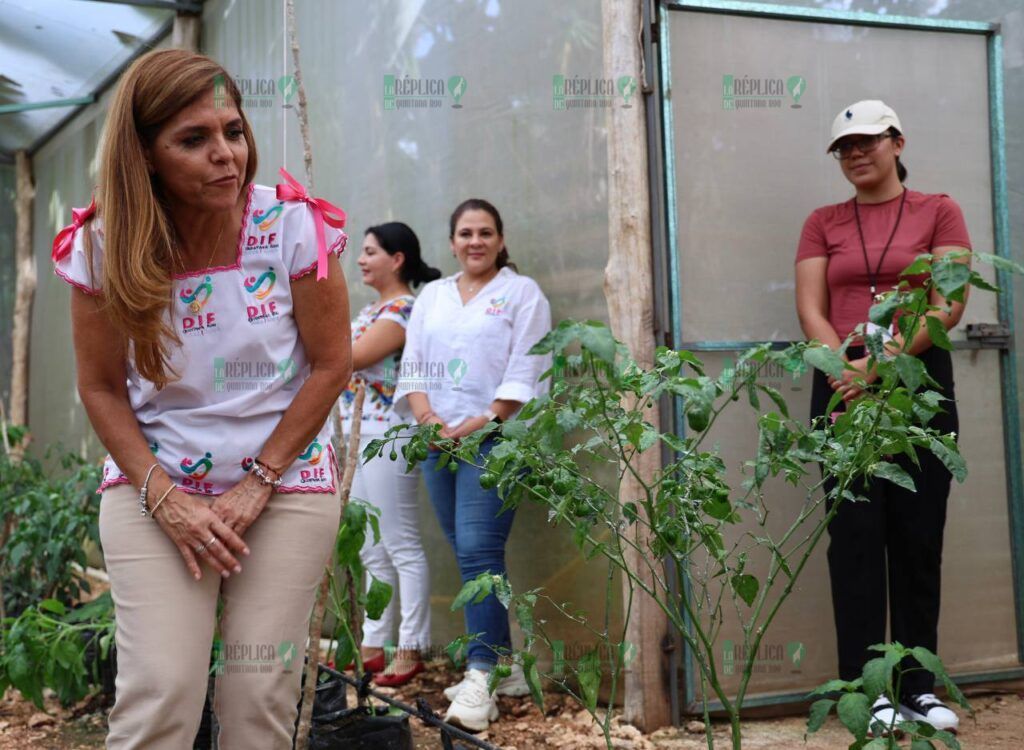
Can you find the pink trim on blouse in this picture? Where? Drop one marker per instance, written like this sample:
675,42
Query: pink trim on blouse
88,290
121,479
241,243
317,490
284,489
336,249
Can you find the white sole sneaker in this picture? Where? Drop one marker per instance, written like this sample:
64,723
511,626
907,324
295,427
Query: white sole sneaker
883,714
513,686
472,724
939,715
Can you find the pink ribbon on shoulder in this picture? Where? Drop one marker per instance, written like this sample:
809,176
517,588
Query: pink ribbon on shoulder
66,237
323,212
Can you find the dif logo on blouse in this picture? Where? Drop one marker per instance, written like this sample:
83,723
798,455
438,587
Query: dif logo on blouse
197,319
263,222
195,473
261,310
313,455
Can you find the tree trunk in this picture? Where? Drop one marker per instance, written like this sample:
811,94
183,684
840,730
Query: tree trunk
25,288
186,31
628,287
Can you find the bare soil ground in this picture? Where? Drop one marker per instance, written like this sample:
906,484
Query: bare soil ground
998,724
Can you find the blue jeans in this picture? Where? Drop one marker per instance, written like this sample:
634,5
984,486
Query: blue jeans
469,518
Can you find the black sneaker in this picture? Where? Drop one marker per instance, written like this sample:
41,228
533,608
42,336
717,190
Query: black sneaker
929,709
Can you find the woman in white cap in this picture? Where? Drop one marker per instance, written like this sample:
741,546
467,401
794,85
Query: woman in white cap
849,253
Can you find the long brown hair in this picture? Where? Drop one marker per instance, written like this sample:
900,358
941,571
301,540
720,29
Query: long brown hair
138,235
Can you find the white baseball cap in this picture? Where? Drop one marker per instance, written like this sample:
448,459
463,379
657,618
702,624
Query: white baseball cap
868,117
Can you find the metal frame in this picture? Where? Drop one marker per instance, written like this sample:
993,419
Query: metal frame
1001,235
79,104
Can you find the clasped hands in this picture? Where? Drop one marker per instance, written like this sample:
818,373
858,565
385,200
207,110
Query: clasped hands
851,381
213,532
466,427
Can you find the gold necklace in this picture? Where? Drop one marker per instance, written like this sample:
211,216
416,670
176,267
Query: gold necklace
195,305
471,289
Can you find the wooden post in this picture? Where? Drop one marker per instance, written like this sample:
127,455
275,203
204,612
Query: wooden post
186,31
628,287
25,289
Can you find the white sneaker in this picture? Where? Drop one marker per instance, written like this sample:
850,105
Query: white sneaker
883,716
473,708
929,709
513,686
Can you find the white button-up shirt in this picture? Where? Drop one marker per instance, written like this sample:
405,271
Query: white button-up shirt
465,356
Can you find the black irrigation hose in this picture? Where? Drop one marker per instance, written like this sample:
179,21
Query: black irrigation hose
421,711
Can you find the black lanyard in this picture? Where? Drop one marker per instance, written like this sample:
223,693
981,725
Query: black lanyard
873,277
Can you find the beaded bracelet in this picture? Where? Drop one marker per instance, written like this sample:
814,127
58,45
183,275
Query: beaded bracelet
143,510
258,469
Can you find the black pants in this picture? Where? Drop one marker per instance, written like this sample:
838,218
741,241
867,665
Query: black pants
892,541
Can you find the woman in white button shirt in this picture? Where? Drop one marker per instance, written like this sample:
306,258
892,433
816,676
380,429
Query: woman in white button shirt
465,364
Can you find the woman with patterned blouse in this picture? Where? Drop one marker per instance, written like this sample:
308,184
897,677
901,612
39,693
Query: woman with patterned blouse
390,262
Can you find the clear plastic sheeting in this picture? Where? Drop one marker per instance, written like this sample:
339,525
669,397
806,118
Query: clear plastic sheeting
62,51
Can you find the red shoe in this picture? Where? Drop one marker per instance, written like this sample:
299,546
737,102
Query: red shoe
375,664
395,679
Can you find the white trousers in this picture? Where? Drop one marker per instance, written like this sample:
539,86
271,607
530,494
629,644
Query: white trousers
398,559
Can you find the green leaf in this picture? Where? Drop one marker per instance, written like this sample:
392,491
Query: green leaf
499,673
824,359
524,616
854,712
588,672
911,370
950,458
877,676
474,590
1002,264
881,312
598,339
745,586
775,396
933,664
937,333
819,713
894,474
468,592
532,676
346,648
921,744
52,605
950,276
948,739
503,591
377,598
922,264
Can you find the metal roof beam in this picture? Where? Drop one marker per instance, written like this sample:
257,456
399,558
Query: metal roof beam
179,6
10,109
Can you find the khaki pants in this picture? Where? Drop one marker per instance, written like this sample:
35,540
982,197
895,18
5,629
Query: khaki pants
165,625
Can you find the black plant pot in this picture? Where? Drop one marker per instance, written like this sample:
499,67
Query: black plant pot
360,729
101,670
334,726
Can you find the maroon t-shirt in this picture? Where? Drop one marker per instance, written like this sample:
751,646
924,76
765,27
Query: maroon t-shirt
929,221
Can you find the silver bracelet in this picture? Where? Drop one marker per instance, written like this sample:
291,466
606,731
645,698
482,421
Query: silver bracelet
143,510
257,469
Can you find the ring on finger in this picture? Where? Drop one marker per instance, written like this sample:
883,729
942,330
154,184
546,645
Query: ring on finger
202,547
